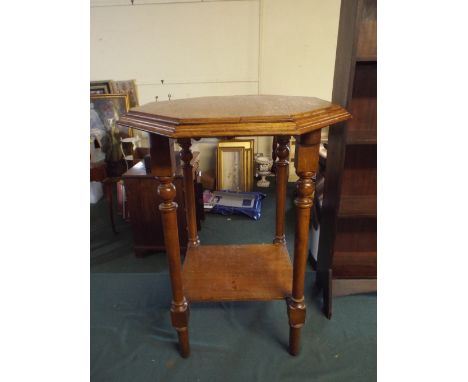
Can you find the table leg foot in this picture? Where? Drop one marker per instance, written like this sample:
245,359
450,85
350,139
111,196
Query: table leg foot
179,317
296,314
184,346
294,340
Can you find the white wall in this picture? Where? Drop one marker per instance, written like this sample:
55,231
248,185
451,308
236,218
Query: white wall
220,47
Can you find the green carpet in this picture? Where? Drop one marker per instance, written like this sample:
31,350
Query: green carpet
132,339
114,253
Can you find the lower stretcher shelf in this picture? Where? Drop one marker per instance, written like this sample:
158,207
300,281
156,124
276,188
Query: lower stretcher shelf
252,272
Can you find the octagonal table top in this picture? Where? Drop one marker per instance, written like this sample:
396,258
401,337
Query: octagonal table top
223,116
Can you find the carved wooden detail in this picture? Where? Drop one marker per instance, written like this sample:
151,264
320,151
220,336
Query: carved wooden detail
186,157
282,167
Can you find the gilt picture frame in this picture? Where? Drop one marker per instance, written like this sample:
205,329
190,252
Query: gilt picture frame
101,87
126,87
234,165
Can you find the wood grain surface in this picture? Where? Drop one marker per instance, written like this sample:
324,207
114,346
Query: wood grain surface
247,115
252,272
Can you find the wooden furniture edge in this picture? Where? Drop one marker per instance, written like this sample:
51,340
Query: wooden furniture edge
246,126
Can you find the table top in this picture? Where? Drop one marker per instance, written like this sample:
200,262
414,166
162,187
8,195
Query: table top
246,115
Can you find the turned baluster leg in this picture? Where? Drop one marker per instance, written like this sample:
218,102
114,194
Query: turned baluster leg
282,166
186,156
306,160
162,166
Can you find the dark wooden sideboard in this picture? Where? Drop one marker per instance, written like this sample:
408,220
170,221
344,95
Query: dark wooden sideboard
143,201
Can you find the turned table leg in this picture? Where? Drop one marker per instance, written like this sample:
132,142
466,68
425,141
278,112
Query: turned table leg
189,190
306,160
162,165
282,166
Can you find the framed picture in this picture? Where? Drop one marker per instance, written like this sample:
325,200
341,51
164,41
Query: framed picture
126,87
101,87
106,109
234,165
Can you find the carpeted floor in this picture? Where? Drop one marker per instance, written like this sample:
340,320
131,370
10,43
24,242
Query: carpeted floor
114,253
132,339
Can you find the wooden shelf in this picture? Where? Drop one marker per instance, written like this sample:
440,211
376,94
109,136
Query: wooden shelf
252,272
358,206
361,137
355,265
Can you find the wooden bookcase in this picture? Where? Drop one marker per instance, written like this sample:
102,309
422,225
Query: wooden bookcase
348,238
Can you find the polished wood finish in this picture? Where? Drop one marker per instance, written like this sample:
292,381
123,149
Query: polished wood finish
306,163
346,287
145,220
190,206
141,189
358,206
282,167
251,272
363,104
162,166
367,40
347,264
348,241
231,116
238,272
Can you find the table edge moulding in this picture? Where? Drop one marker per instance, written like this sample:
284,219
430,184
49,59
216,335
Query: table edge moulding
252,272
229,116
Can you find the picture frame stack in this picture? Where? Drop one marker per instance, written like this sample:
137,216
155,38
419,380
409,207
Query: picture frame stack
116,87
234,165
109,100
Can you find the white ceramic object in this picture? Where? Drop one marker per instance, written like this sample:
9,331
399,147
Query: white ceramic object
264,165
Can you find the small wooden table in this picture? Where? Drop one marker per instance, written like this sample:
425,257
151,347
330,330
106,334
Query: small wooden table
236,272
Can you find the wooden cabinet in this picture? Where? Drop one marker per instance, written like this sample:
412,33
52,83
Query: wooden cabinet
143,201
348,240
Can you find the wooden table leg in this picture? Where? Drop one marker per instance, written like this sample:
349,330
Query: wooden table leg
282,166
274,156
189,190
306,161
162,166
108,183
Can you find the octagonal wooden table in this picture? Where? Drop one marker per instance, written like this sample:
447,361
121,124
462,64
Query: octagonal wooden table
253,272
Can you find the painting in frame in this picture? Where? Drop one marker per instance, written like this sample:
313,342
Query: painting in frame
234,165
126,87
108,108
101,87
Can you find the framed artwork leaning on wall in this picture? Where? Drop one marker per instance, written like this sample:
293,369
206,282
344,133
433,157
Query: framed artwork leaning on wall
126,87
106,110
101,87
234,165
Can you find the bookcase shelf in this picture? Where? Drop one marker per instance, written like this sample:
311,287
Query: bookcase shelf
348,238
362,137
358,206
